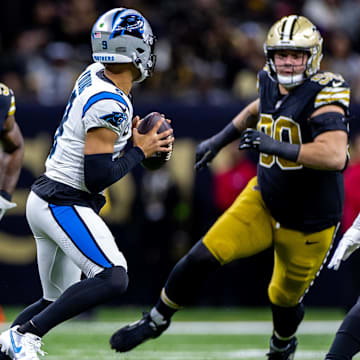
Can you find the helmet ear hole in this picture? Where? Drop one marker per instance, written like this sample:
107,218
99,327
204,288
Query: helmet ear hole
140,50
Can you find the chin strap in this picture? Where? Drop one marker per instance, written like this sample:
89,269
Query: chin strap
288,82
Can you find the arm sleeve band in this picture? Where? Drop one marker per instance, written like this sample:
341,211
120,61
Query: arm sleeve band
284,150
327,122
101,171
228,134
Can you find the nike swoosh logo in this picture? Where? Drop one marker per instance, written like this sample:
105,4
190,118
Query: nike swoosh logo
337,83
17,349
311,242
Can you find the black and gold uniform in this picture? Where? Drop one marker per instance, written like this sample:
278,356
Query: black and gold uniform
298,197
294,208
7,104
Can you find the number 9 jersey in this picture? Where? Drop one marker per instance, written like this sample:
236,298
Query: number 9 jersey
94,102
298,197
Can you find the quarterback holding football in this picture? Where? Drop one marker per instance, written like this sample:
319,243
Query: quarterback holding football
87,157
299,126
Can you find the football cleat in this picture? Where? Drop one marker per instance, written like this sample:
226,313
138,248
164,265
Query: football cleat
286,353
20,346
135,334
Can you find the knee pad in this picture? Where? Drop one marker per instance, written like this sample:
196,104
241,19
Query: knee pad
282,298
116,278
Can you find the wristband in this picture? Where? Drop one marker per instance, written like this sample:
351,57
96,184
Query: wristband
227,135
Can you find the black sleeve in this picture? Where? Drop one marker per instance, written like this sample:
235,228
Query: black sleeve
101,171
327,122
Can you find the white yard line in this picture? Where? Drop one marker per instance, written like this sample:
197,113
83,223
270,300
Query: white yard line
203,327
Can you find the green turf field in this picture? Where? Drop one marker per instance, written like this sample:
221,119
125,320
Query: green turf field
205,334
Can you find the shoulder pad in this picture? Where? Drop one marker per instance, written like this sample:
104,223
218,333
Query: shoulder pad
333,90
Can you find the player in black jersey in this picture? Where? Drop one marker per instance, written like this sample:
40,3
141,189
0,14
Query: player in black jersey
299,126
12,155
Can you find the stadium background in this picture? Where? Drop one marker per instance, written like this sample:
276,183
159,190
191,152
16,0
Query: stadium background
208,54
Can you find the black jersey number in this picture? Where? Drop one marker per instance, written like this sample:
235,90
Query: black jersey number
282,129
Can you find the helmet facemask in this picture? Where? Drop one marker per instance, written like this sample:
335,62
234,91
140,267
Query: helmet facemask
296,77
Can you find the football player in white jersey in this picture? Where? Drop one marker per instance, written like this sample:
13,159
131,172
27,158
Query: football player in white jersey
63,206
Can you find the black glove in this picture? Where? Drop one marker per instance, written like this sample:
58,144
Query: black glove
259,141
208,149
204,154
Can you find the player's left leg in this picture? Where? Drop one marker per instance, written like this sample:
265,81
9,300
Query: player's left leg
57,272
82,242
347,340
298,260
87,241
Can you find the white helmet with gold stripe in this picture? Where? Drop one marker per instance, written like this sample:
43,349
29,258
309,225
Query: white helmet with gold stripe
294,33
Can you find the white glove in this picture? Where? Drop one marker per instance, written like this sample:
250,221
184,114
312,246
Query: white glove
5,205
347,245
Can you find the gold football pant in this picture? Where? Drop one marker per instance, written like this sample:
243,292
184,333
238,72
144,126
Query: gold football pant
248,228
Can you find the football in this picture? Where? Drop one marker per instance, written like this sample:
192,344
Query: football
157,160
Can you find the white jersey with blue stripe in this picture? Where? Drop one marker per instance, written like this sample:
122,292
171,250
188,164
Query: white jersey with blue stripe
94,102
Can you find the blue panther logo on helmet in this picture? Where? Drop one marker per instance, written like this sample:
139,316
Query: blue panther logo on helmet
132,24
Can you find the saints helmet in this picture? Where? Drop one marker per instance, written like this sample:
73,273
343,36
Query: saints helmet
294,33
124,36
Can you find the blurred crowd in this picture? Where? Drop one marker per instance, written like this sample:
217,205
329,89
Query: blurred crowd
208,51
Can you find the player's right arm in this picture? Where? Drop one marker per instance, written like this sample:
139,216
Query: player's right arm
208,149
101,171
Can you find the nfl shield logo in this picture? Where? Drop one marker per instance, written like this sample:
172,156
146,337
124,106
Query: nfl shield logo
97,35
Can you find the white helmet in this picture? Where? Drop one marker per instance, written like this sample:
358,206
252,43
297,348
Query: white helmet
124,36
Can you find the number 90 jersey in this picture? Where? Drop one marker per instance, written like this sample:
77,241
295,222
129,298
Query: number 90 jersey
94,102
298,197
